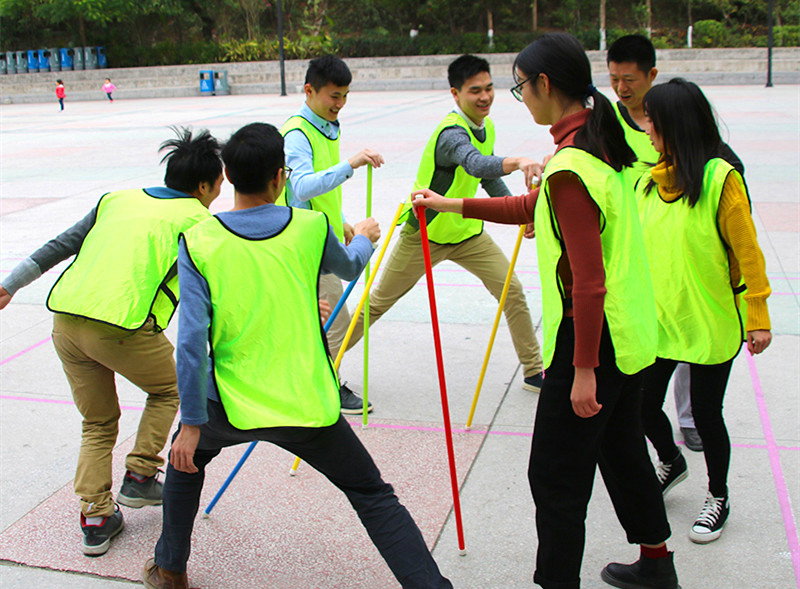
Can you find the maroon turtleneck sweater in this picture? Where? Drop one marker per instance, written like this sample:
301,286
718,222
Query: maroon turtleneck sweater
581,266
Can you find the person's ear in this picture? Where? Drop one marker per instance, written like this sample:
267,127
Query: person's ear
652,74
544,81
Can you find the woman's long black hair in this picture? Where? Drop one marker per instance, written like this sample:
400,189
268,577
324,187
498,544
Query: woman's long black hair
561,57
683,118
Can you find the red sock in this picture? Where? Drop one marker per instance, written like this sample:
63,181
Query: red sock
660,552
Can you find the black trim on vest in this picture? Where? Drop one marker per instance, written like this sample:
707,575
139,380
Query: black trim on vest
282,229
315,128
626,116
184,195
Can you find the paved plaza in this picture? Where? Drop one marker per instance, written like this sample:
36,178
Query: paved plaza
273,531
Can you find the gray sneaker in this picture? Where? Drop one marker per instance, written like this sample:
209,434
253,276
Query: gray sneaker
137,493
97,537
351,403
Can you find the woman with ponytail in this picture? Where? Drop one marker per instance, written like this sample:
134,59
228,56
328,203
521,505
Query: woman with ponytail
701,241
599,322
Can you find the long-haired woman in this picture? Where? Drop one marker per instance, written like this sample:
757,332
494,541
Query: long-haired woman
701,244
599,322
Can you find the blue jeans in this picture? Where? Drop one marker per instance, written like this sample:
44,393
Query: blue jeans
334,451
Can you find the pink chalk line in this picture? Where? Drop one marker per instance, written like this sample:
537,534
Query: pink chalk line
777,471
59,402
25,351
415,428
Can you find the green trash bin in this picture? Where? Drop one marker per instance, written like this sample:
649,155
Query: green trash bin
221,82
90,58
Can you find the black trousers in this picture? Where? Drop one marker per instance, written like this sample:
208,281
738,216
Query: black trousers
334,451
566,450
707,389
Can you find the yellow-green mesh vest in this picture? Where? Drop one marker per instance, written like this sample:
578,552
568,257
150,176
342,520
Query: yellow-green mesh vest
629,301
125,269
325,155
639,142
698,319
271,362
448,228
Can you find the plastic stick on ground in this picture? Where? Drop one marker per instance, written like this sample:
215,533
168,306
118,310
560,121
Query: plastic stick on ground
365,387
252,445
437,343
360,306
500,307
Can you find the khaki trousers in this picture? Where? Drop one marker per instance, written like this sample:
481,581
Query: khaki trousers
480,256
91,353
330,289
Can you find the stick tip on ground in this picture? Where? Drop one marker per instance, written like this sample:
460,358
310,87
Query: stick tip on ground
206,515
462,551
292,472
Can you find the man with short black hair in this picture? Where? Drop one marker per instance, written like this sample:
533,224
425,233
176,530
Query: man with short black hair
268,375
458,157
111,306
312,153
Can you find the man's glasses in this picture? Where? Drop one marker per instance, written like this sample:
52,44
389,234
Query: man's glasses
287,170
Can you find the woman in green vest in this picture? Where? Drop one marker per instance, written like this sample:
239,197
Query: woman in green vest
599,322
701,242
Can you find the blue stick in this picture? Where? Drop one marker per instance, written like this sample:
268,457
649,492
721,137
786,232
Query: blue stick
249,450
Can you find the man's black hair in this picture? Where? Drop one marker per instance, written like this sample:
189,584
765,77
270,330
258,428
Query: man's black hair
636,49
463,68
253,156
328,69
190,160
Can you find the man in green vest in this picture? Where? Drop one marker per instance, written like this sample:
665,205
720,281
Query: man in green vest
268,375
459,157
111,306
312,153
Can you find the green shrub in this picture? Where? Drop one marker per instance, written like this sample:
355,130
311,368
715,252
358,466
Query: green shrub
787,35
710,33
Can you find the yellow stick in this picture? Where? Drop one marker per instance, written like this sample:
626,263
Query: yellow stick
360,305
497,316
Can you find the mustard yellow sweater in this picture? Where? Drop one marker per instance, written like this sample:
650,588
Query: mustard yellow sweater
739,234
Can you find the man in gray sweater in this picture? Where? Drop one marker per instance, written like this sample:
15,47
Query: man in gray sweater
458,157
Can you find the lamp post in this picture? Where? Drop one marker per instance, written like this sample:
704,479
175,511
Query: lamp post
280,47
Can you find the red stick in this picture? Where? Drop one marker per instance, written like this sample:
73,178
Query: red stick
437,342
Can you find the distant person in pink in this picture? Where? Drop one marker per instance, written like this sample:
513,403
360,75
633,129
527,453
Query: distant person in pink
108,88
61,93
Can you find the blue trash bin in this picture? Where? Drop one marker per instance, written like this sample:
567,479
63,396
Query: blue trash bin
52,58
33,60
43,60
11,62
77,58
21,59
102,60
66,58
206,82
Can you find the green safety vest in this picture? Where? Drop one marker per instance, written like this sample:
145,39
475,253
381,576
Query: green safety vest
325,155
698,317
271,362
639,142
125,269
629,301
451,228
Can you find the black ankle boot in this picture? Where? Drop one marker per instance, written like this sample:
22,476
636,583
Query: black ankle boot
645,573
